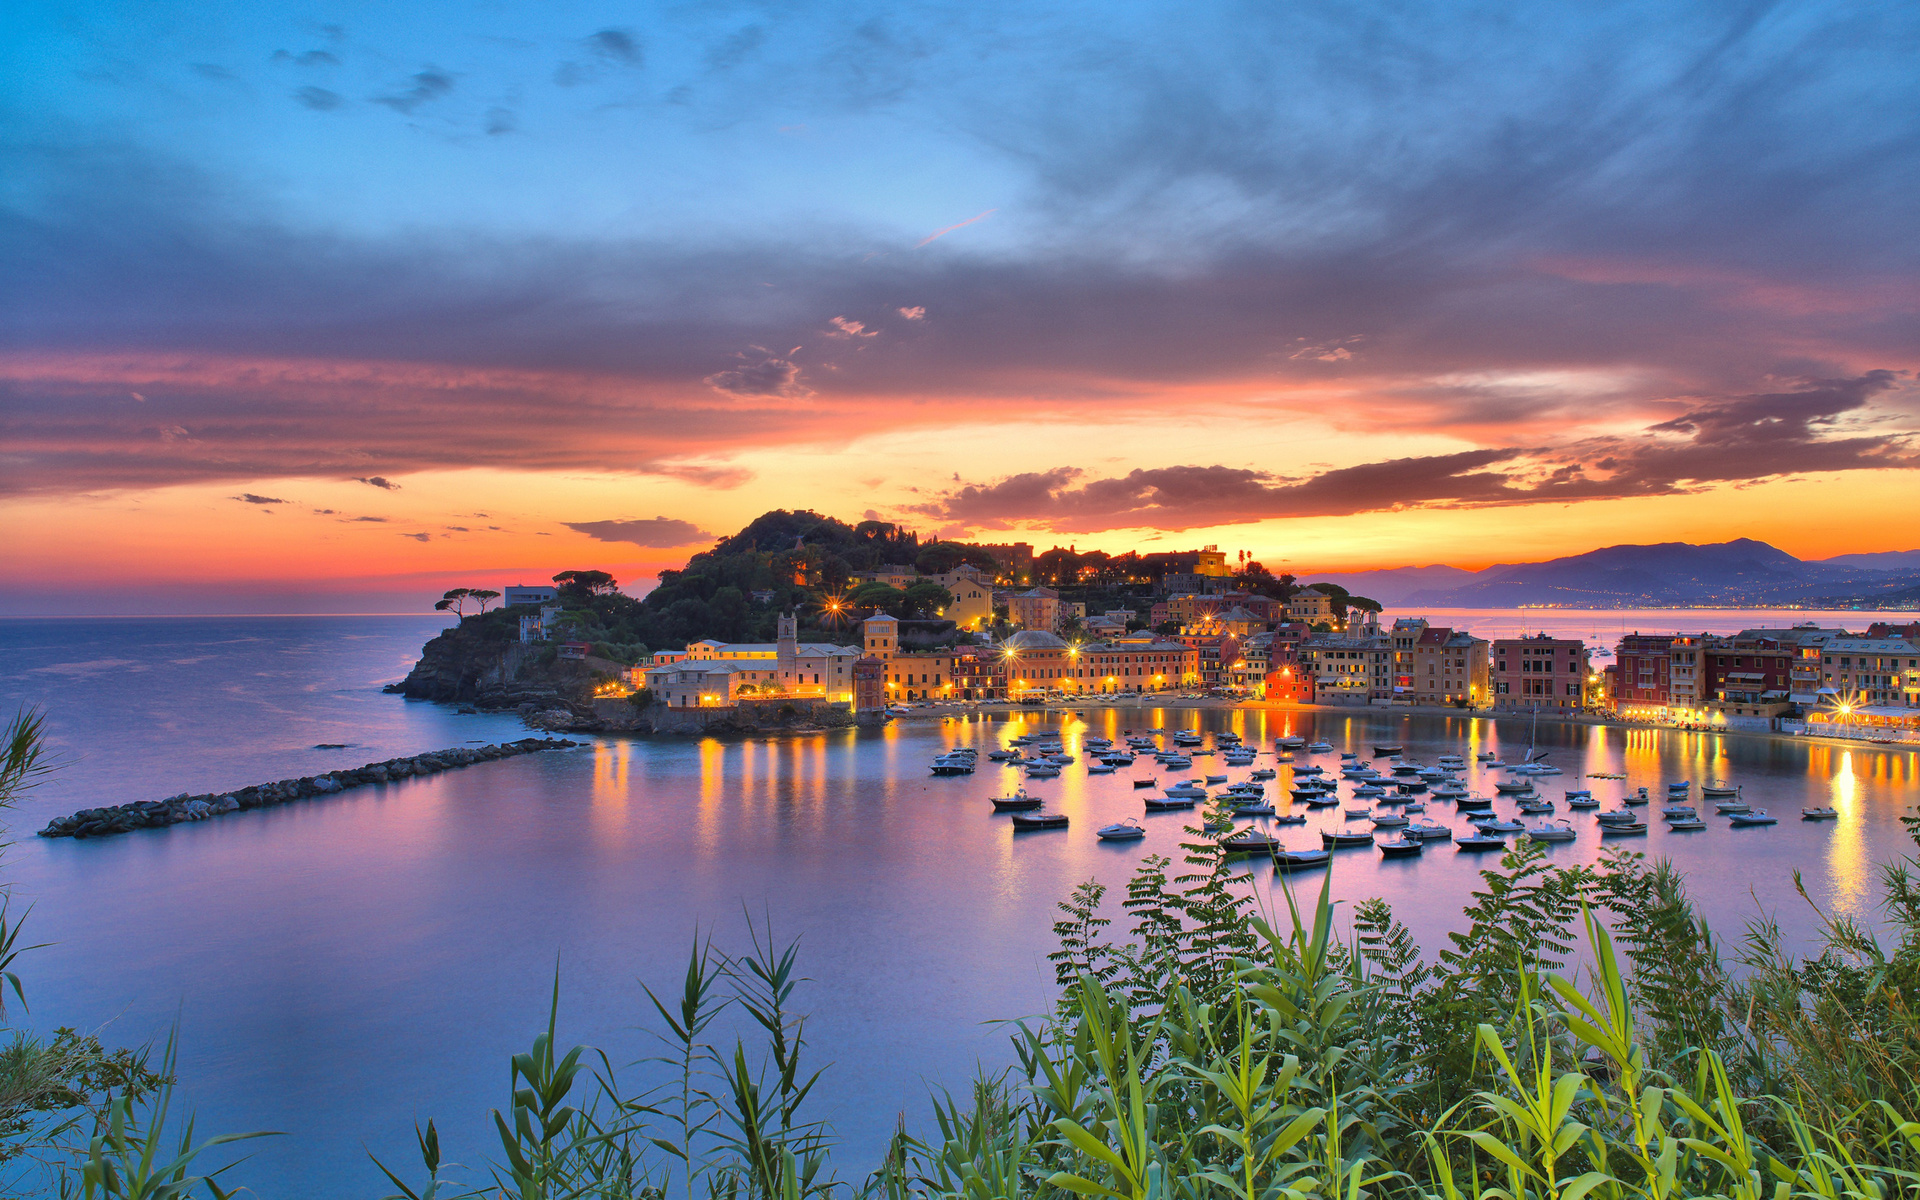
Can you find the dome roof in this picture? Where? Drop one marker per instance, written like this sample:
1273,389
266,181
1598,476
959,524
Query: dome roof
1033,639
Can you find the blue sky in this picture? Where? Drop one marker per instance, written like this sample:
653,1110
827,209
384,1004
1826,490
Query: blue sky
1318,237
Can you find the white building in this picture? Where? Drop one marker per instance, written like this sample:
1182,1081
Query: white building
718,674
523,593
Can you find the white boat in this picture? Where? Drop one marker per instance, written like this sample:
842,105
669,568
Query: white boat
1389,821
1731,808
1480,841
1100,768
1718,791
1246,789
1428,831
1681,786
1757,817
1636,829
1686,825
1619,816
1819,814
1536,807
1639,797
1452,762
1292,742
1121,831
1487,757
1586,801
1186,791
1579,793
1369,790
1679,812
1492,824
1308,770
1358,811
1264,773
1042,770
1319,747
1452,789
1559,831
1510,787
1216,779
1253,808
1004,755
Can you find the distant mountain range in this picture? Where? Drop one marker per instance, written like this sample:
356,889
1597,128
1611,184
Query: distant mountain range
1737,574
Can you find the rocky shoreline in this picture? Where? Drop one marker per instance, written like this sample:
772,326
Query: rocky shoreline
156,814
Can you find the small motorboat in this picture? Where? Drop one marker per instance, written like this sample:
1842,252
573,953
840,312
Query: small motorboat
1368,791
1582,802
1121,831
1452,762
1250,841
1299,860
1406,770
1319,747
1402,847
1310,769
1143,783
1411,787
1218,823
1678,812
1290,742
1415,807
1309,793
1385,751
1188,790
1169,803
1360,811
1513,787
1023,822
1573,794
1617,829
1428,831
1216,779
1492,824
1042,770
1819,814
1389,821
1348,756
1481,841
1264,773
1718,791
1245,789
1017,802
1450,790
1487,758
1730,808
1757,817
1254,808
1685,824
1534,808
1680,786
1345,840
1635,798
1323,800
1100,768
1292,818
1558,831
1472,803
1619,816
1004,755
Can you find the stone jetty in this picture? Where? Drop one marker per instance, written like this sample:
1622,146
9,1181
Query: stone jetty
152,814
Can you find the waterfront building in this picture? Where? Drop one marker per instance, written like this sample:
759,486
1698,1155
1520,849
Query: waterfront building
1645,662
1188,608
1351,668
1688,683
1860,672
1436,664
713,673
1540,672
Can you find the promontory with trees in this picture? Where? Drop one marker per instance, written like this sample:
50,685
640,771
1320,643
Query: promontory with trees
799,561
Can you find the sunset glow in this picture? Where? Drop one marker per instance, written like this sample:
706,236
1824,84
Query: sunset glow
338,315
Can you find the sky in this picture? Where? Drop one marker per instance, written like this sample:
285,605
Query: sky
333,307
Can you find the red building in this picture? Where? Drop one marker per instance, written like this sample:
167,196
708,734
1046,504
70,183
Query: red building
1644,661
1539,672
1750,670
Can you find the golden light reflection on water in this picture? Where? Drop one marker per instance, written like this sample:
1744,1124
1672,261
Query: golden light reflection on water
1847,864
608,795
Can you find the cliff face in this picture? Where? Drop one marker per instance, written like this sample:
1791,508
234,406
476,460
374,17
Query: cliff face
472,664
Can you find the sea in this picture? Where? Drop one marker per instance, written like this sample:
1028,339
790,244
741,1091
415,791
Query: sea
341,969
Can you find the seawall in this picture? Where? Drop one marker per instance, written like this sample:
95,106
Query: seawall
157,814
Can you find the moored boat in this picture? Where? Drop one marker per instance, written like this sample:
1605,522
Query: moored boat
1617,829
1558,831
1757,817
1819,814
1251,841
1299,860
1015,803
1403,847
1120,831
1481,841
1345,840
1023,822
1169,803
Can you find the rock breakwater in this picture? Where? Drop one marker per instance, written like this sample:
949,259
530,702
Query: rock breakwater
154,814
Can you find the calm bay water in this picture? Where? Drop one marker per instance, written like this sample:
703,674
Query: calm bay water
341,968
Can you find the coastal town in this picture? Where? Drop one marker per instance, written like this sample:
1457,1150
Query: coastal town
1211,628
